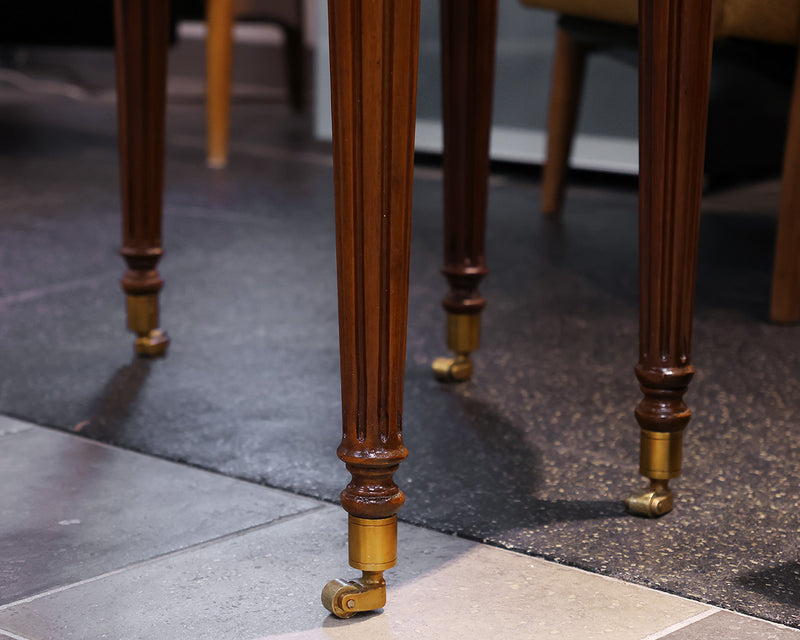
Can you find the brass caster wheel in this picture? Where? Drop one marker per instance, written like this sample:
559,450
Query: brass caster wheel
345,598
458,369
152,345
653,502
334,595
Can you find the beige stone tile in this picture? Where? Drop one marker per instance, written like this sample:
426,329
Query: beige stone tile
725,625
266,584
492,593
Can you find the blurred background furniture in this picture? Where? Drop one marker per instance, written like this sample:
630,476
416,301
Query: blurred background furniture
759,40
220,18
675,42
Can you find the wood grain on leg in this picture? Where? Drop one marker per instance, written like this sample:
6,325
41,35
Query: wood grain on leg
675,38
469,31
374,48
142,31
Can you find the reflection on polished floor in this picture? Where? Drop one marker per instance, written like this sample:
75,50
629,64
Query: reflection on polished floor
103,542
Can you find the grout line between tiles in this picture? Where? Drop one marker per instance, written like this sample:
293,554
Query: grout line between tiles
682,625
163,556
13,636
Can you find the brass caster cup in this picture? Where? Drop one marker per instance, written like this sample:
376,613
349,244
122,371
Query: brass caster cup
458,369
463,338
151,342
344,598
651,503
372,549
153,345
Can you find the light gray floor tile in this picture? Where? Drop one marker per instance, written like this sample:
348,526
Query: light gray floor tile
12,425
73,509
266,583
731,626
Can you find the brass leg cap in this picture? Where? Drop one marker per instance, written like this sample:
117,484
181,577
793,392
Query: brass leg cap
650,503
153,345
457,369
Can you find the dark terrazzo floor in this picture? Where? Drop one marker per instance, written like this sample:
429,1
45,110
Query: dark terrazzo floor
536,453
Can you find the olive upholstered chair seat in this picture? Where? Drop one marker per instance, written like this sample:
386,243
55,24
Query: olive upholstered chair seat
769,20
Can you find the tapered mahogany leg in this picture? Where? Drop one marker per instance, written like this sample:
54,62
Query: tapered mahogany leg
219,66
374,48
469,30
569,62
785,303
675,40
142,30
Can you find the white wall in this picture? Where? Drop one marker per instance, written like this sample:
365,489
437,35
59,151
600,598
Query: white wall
607,126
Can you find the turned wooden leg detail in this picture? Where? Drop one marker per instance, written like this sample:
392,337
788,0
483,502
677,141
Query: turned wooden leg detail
374,48
469,30
142,32
565,96
219,64
785,302
675,40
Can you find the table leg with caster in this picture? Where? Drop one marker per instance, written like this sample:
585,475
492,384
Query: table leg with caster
469,31
374,48
675,39
142,33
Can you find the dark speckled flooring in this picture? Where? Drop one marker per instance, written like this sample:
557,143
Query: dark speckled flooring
536,453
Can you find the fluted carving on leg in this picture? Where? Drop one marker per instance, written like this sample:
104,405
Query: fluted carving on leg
469,30
374,61
374,48
142,32
675,39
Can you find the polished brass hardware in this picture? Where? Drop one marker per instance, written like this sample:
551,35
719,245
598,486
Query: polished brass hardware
456,369
463,338
659,460
143,321
652,502
373,549
373,543
660,454
344,599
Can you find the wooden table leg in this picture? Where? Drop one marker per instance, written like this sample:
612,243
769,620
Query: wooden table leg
374,49
469,31
675,38
142,32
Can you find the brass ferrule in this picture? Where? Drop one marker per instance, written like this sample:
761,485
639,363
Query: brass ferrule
142,313
463,332
373,543
660,454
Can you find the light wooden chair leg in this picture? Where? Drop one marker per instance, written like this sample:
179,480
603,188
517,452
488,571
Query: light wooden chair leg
785,302
565,96
219,62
